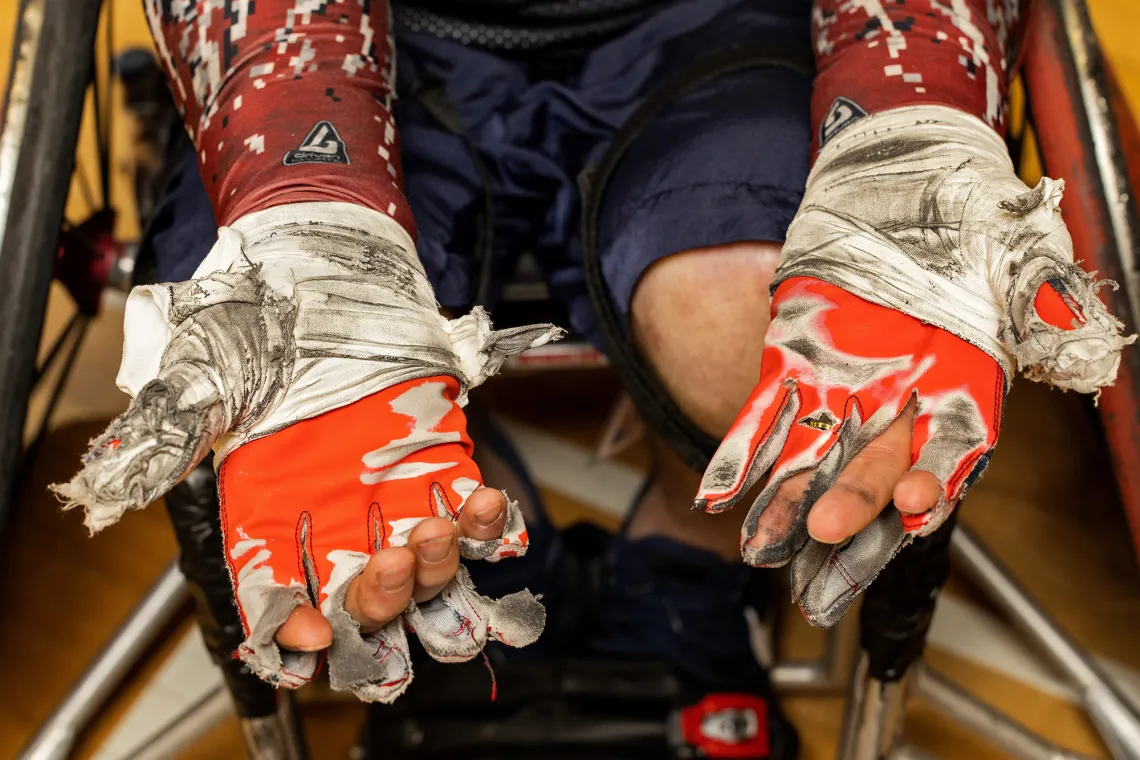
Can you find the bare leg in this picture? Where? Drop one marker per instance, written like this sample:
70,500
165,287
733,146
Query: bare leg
700,317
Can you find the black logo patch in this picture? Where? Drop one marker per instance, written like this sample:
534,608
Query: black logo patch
322,146
842,113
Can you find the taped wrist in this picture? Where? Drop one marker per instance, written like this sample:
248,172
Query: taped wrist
226,360
363,315
296,311
919,209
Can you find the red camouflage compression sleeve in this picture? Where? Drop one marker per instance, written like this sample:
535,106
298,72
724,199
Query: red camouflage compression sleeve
872,55
286,100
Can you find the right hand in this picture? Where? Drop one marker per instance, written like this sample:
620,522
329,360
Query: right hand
308,352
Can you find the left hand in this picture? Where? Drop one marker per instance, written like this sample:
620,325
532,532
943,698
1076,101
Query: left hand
918,276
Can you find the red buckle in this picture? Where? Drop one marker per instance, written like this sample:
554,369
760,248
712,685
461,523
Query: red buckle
727,725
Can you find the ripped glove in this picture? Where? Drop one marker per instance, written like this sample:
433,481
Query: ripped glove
308,352
918,266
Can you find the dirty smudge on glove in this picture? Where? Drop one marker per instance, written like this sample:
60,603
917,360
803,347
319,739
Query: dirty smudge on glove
295,311
918,209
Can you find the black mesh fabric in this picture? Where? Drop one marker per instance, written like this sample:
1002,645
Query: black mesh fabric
522,25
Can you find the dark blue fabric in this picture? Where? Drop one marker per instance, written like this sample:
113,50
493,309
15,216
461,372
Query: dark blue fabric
724,164
183,228
683,185
665,601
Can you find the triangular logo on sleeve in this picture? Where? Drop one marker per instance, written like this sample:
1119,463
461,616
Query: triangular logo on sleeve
322,146
843,113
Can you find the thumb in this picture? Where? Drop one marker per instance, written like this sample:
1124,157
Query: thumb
219,368
142,454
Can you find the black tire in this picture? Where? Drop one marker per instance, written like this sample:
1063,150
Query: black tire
51,68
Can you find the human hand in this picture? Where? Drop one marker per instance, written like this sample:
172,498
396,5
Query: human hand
918,276
308,352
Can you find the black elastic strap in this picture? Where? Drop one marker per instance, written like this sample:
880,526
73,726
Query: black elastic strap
194,514
694,446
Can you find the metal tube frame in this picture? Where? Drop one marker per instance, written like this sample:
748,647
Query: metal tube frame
269,737
829,674
873,728
173,738
57,737
966,710
873,720
1116,719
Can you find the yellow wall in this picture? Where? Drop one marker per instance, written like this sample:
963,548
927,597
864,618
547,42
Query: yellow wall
1117,23
129,30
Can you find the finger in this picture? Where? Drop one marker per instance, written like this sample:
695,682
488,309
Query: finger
382,591
917,492
436,546
484,515
752,444
774,541
776,528
865,485
305,630
827,578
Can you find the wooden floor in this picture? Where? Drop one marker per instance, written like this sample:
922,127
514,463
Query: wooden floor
1047,508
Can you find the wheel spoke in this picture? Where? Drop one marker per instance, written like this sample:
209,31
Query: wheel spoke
55,348
81,322
104,108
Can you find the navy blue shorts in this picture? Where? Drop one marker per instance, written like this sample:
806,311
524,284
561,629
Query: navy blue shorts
725,163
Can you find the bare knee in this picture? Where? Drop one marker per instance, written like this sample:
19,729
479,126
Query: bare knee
700,316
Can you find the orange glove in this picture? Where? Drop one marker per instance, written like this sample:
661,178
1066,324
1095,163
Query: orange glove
309,353
836,370
918,266
303,509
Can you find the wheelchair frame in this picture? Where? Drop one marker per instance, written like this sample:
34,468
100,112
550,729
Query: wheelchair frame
52,67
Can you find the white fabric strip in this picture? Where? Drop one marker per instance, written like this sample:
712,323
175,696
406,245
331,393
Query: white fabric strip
365,314
904,208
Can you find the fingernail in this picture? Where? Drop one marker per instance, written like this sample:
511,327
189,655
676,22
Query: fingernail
814,537
488,516
395,580
307,648
434,550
